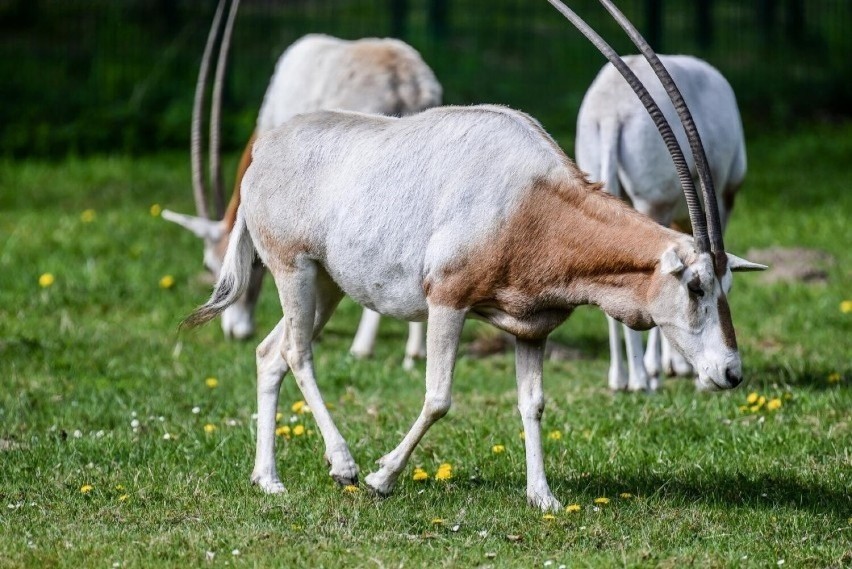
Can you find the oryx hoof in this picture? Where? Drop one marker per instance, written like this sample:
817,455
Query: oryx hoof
269,484
379,484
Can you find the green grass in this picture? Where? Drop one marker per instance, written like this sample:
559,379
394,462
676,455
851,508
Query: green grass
711,485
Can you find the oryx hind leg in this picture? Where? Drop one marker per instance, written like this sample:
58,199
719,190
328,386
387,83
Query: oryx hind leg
365,336
271,369
415,347
308,298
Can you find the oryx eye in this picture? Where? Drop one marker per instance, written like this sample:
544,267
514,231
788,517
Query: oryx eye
694,287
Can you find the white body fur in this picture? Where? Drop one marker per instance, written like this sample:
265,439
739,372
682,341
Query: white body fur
618,144
381,76
451,213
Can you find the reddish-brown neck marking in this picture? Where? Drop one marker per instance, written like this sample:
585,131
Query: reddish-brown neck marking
568,244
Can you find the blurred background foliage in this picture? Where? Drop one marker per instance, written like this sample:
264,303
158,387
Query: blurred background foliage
84,76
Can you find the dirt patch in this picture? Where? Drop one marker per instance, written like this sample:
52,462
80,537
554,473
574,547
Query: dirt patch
794,264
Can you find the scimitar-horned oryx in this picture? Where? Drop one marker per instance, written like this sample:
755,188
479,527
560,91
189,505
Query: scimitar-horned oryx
452,213
381,76
618,144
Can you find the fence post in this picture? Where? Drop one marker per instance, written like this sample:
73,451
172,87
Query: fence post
795,21
438,13
399,17
654,19
704,23
766,19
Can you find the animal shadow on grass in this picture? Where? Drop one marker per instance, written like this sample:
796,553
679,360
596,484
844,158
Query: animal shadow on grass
708,488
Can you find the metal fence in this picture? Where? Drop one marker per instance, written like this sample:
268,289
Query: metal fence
111,75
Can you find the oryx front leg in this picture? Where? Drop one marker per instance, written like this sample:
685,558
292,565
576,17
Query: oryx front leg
442,340
638,377
271,369
415,347
308,297
529,357
617,370
652,358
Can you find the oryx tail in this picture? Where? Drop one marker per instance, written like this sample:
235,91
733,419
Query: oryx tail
233,278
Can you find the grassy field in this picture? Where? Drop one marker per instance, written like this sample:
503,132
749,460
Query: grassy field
117,451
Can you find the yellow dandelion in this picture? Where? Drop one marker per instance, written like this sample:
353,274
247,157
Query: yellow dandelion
548,517
279,416
754,408
752,398
299,430
88,216
602,500
761,401
86,488
123,497
846,306
554,435
437,521
497,449
155,210
573,508
445,472
167,282
625,495
298,407
283,431
119,487
743,408
420,475
209,428
46,280
834,378
351,488
523,435
211,382
773,404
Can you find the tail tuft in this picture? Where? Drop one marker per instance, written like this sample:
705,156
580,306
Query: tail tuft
233,278
213,307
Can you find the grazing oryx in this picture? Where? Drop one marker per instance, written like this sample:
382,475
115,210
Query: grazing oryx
618,145
382,76
452,213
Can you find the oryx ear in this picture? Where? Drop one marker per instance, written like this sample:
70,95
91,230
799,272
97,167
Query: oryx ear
670,263
737,264
203,228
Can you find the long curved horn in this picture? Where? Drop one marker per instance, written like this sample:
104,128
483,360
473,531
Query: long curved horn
696,214
702,166
216,114
199,190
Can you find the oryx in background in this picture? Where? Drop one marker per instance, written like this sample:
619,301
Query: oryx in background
461,212
381,76
618,144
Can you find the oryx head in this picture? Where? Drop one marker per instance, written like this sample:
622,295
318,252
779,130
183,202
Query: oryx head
688,300
688,294
237,321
